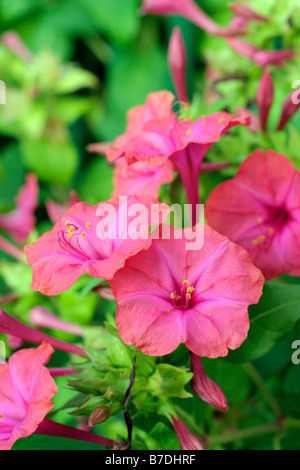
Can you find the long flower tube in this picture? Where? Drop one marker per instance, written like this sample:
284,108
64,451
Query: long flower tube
12,326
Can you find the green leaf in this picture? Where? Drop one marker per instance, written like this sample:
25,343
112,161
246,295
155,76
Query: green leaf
270,321
169,381
52,161
165,438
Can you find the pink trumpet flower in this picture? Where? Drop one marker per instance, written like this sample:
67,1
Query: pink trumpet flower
260,210
87,240
26,390
186,439
19,222
159,135
140,178
205,387
177,60
191,11
41,318
289,108
169,294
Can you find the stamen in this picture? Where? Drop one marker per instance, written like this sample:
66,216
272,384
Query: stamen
88,224
1,416
189,131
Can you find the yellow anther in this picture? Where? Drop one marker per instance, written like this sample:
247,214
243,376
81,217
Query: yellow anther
70,229
1,416
190,289
186,282
188,295
189,131
260,220
262,238
69,235
203,117
68,222
221,120
83,234
270,230
209,314
88,224
254,242
172,295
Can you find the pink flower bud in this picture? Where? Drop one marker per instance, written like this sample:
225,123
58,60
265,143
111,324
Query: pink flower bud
177,60
187,440
264,98
290,106
204,387
260,57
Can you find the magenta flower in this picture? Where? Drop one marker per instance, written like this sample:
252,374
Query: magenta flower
140,178
169,295
186,439
192,12
88,241
177,60
19,222
26,389
161,136
260,57
260,210
205,387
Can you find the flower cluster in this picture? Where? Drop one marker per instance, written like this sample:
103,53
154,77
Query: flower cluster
167,293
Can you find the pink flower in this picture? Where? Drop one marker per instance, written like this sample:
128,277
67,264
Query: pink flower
191,11
260,210
289,107
169,295
26,389
187,440
88,241
260,57
155,135
177,59
139,178
19,222
56,211
204,387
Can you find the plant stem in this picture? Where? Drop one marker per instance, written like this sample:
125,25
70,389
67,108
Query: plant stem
257,379
245,433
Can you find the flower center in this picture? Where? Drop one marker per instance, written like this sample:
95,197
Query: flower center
183,298
270,226
71,239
